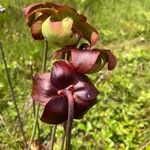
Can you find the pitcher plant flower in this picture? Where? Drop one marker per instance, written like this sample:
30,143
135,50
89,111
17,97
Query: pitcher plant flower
59,24
87,60
49,90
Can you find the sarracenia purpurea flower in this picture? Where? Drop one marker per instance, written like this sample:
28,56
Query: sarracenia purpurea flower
49,89
59,24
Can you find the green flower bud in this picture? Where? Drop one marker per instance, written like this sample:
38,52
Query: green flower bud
59,32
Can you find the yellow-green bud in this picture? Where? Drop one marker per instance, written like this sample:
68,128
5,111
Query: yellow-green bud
59,32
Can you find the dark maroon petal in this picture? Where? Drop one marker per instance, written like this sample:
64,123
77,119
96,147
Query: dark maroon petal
62,74
56,110
85,95
111,59
42,90
82,78
84,60
85,91
81,107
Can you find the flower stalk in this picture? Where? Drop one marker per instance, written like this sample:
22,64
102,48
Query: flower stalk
36,123
70,118
53,137
63,140
13,95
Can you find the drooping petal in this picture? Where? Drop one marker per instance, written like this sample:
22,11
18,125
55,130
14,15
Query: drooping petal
81,107
86,31
111,59
37,5
62,74
80,25
30,18
66,11
33,11
30,8
56,110
85,95
36,28
43,90
84,60
82,78
85,91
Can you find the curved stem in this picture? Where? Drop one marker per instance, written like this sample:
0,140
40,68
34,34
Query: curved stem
70,118
13,95
38,106
52,137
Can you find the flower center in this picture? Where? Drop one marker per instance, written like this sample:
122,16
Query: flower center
63,91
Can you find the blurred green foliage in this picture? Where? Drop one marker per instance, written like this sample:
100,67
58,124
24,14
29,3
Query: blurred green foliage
121,119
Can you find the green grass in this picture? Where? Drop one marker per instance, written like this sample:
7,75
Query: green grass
120,121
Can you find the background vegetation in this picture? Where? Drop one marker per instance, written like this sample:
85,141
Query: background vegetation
121,119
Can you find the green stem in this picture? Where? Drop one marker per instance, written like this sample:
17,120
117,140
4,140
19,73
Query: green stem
52,137
13,95
38,106
70,118
45,56
63,141
34,105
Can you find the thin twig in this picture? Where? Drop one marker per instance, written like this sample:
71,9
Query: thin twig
13,95
52,137
38,106
70,118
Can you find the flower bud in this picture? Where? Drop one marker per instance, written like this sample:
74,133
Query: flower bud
59,32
